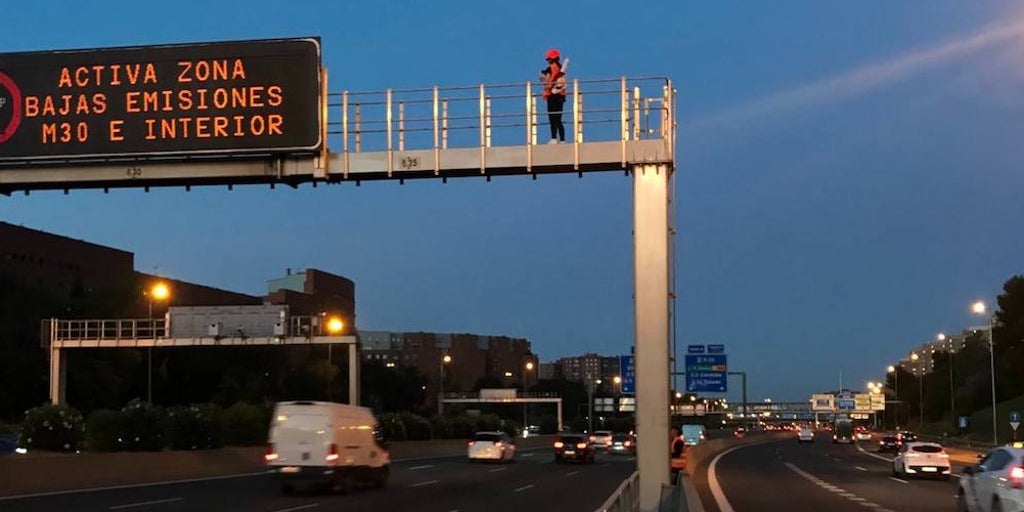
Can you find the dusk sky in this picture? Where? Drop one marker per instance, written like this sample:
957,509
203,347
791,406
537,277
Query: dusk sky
849,179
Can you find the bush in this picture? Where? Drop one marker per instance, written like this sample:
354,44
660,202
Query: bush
246,424
103,431
417,428
144,426
463,426
392,426
196,427
442,427
54,428
488,422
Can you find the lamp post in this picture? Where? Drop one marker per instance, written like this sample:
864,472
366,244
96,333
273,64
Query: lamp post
979,309
529,366
159,291
440,384
920,387
896,390
334,327
590,403
952,392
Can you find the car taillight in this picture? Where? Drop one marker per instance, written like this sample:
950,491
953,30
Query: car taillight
627,444
581,446
943,455
471,443
498,444
559,444
1017,477
593,438
270,454
332,453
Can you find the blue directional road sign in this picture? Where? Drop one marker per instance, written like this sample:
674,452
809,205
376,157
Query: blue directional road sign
963,421
627,371
706,373
716,349
1015,416
695,349
846,402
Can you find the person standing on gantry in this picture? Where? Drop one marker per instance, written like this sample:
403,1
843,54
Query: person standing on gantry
553,78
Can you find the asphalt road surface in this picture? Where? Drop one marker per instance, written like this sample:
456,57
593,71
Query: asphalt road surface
819,476
443,484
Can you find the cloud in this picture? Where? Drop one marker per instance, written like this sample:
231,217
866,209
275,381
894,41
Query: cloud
863,79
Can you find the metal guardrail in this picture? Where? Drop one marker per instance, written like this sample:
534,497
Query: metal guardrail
519,394
487,115
626,497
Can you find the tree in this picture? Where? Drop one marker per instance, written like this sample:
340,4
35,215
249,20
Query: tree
392,389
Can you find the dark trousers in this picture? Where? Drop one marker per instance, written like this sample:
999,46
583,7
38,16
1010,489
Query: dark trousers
555,104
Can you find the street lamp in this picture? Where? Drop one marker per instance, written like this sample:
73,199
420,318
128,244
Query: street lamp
335,325
159,291
529,365
952,392
896,390
440,385
919,373
979,309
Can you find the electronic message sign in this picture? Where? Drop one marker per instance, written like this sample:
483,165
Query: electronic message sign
162,101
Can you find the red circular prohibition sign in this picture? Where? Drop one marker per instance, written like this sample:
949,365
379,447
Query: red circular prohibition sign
7,83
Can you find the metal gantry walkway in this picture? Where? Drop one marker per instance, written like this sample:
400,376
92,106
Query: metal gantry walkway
59,335
437,132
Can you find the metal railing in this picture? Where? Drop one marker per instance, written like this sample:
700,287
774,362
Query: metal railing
626,497
483,116
457,395
55,329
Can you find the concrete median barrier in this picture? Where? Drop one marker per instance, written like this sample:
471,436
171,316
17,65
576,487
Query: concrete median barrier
36,473
696,455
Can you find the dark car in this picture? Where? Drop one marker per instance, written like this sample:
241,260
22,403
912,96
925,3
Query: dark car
573,448
623,443
888,444
906,437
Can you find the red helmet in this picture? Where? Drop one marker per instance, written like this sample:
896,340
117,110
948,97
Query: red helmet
552,54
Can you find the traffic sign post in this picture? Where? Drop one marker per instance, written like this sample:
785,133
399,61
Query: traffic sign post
1014,422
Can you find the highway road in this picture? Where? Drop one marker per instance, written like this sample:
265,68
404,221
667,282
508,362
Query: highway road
820,476
442,484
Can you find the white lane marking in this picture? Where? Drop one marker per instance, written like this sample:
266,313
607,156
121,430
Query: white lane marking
421,484
571,473
898,480
715,487
129,486
301,507
145,503
495,470
837,490
425,466
527,455
860,468
523,488
869,454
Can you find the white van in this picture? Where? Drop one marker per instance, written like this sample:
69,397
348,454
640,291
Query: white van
326,443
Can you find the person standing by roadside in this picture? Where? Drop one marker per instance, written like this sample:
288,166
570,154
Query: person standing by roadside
677,455
553,77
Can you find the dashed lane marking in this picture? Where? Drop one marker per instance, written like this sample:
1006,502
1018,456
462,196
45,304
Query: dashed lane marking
860,468
495,470
421,484
425,466
898,480
869,454
523,488
837,490
301,507
145,503
571,473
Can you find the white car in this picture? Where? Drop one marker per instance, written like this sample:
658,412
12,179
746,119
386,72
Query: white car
496,446
921,459
805,435
995,484
601,439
